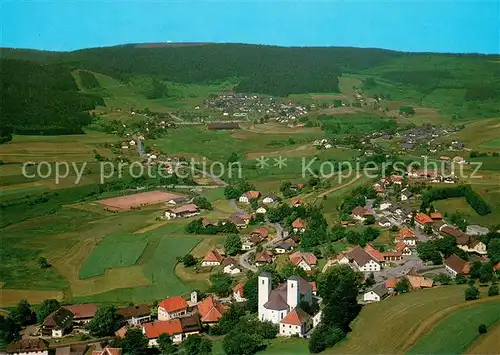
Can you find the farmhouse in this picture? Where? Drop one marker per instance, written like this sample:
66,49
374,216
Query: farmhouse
362,260
306,261
261,233
238,292
82,313
464,241
173,307
421,220
212,258
185,211
211,311
177,329
403,248
28,347
58,323
455,265
135,315
375,253
376,294
360,213
298,226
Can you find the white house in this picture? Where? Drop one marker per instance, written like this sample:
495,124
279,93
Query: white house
299,226
384,205
269,199
173,307
376,294
384,222
406,236
306,261
212,258
362,260
261,210
456,265
231,267
283,248
250,195
247,245
406,195
238,293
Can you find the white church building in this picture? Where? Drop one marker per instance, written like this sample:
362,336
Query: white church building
281,305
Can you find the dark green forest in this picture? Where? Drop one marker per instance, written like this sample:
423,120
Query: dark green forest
42,99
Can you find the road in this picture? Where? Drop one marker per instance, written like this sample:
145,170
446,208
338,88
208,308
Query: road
280,235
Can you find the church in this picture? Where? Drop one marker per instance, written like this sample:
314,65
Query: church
281,305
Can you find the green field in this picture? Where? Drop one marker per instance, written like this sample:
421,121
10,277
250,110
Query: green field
113,252
493,143
457,332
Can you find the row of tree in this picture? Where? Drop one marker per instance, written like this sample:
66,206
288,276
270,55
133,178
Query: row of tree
476,202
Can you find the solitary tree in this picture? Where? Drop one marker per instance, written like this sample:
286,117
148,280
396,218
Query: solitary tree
471,293
482,329
23,314
105,322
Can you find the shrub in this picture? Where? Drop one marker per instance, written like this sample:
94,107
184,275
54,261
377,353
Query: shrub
482,329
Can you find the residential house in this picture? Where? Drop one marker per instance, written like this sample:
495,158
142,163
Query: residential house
360,213
261,210
212,258
298,226
231,267
421,220
283,248
384,205
406,236
392,255
362,260
28,347
263,258
238,292
177,200
269,199
173,307
406,195
403,248
185,211
211,311
247,245
135,315
342,259
436,216
58,323
306,261
384,222
396,179
108,351
82,313
207,223
375,253
314,287
455,265
262,233
297,203
248,196
239,221
390,284
376,294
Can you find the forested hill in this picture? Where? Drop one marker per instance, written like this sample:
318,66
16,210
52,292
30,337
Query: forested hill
41,99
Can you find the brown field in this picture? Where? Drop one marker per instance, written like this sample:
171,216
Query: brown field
273,128
9,297
477,133
139,199
340,110
396,324
488,343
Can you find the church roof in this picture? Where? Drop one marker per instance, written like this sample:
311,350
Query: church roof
276,301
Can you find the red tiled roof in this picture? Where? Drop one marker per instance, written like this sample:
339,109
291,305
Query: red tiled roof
340,256
298,223
297,202
296,317
405,233
211,310
313,285
253,194
300,186
400,246
375,253
436,215
391,283
27,345
173,304
388,254
265,256
170,327
422,218
360,211
497,267
262,231
82,311
298,256
108,351
239,288
213,255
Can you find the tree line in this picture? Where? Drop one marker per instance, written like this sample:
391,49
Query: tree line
476,202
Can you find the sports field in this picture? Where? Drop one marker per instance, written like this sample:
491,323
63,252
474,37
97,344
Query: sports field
457,332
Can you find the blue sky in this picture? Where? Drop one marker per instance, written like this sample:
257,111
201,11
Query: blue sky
431,25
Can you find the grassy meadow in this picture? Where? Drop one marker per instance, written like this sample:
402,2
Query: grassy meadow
486,343
457,332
